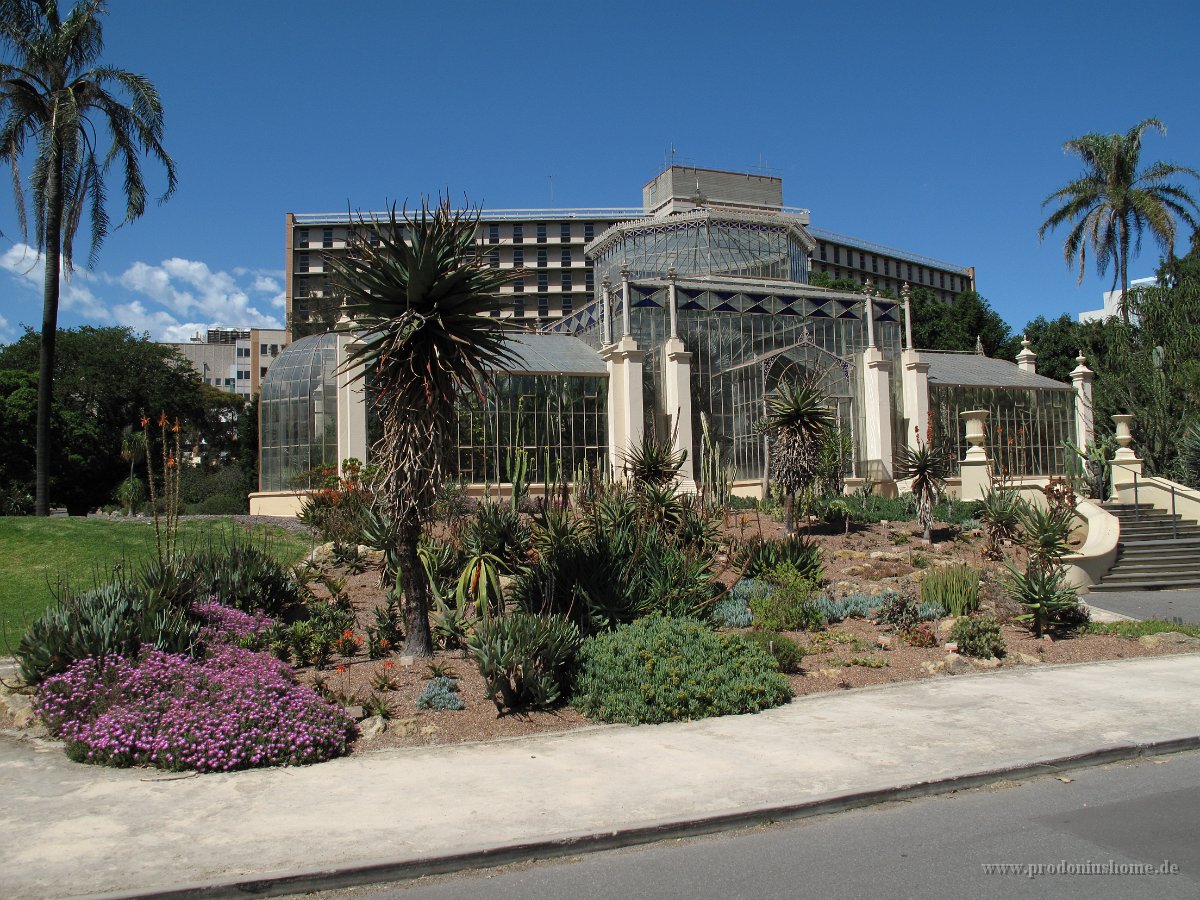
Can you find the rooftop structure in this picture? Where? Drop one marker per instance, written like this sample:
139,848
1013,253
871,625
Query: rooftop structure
233,359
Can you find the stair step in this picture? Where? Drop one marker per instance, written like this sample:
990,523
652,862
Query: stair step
1148,584
1115,577
1158,562
1150,543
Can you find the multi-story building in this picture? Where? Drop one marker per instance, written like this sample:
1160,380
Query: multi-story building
233,359
548,246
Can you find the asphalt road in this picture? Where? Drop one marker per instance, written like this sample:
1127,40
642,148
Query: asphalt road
1145,812
1174,606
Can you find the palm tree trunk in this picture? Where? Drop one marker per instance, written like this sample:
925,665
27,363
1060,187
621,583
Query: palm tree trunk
789,507
417,640
1124,263
50,289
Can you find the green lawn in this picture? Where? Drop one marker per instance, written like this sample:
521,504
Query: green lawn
37,555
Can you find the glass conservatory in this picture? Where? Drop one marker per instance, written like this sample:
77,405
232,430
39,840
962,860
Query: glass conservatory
298,413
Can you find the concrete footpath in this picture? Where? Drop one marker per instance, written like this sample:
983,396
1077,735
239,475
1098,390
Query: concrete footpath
68,829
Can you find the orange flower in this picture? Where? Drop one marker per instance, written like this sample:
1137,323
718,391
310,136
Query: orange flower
171,461
339,669
389,664
163,421
176,427
348,634
145,421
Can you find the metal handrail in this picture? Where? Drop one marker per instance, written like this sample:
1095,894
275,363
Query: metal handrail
1137,506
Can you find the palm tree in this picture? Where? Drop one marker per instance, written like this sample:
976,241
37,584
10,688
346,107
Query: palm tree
429,342
797,416
1114,202
929,465
53,97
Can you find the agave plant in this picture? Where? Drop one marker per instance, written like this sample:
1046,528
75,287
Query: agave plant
654,461
1000,513
929,465
1049,602
797,416
1044,533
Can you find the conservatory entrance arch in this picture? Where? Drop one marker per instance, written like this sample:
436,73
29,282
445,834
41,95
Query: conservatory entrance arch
753,381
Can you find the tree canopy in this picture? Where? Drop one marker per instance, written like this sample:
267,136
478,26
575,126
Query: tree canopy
105,379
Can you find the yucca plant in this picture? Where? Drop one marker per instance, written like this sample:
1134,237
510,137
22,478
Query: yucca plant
797,416
929,465
1189,456
425,292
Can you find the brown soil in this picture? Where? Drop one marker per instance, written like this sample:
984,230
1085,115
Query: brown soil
901,558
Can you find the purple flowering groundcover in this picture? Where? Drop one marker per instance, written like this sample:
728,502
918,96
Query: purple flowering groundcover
236,709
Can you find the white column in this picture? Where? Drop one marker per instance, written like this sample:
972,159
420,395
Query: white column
975,467
915,388
1026,359
606,311
351,404
1085,425
677,392
626,322
905,296
877,416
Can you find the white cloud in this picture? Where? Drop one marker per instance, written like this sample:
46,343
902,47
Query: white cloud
172,300
28,266
6,334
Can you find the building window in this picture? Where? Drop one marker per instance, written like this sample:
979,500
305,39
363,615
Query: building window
942,280
327,238
519,286
244,374
822,252
518,233
518,258
589,231
302,263
543,307
274,350
564,232
566,304
541,232
543,281
302,286
566,256
910,278
519,308
493,259
862,260
887,267
302,240
875,264
493,233
589,280
568,283
837,256
262,372
541,259
373,238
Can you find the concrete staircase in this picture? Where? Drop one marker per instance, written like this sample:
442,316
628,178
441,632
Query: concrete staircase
1156,551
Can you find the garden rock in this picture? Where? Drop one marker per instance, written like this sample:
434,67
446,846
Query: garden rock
886,556
429,729
1025,659
849,554
957,664
357,713
26,718
405,727
934,667
989,663
17,703
372,727
1168,639
944,625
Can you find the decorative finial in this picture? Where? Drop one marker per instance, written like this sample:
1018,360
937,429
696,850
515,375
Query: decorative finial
905,292
979,344
671,273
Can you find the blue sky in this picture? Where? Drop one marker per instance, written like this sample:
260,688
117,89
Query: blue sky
932,127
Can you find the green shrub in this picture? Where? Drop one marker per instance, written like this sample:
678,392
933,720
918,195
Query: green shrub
921,635
792,605
525,659
787,653
757,557
340,507
954,588
666,670
903,613
978,636
118,618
